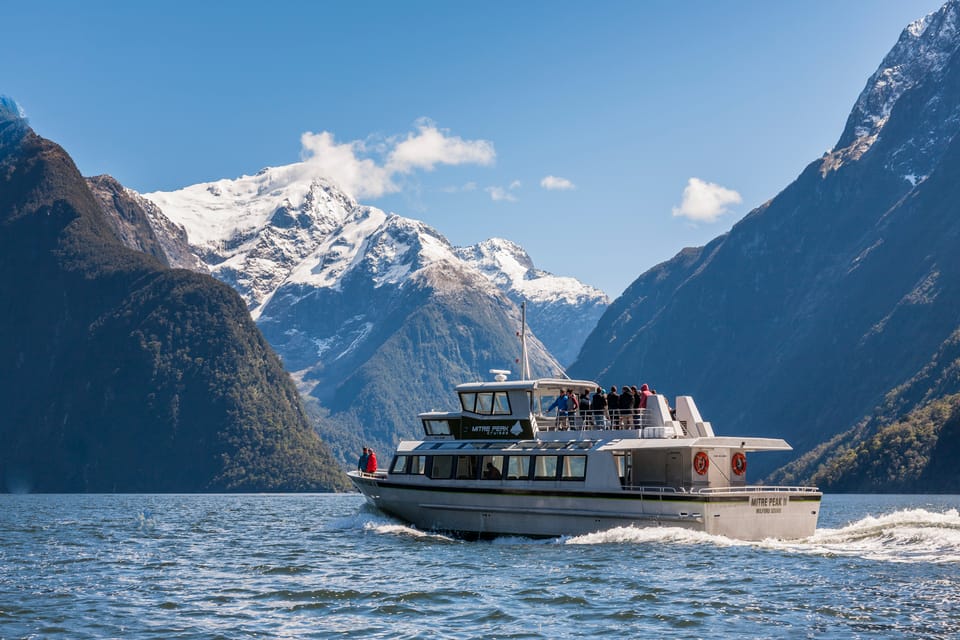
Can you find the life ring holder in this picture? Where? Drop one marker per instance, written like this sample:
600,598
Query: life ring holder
701,462
739,463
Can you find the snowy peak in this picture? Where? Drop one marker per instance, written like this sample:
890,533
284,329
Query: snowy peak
920,56
510,267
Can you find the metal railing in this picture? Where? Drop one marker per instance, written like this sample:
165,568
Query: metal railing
756,487
591,420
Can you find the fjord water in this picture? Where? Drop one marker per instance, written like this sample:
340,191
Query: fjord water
327,566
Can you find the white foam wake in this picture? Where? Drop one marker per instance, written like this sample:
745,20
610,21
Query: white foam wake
910,535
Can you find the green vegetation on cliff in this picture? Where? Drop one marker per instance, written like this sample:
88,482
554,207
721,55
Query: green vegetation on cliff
123,375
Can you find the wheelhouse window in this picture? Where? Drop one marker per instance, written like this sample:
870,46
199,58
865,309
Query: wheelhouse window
436,427
496,403
501,404
573,468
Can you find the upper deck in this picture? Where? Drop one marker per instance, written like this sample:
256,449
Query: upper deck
520,410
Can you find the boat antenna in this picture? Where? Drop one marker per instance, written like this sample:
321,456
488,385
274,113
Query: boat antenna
524,362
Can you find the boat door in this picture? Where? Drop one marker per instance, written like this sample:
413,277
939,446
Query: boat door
674,470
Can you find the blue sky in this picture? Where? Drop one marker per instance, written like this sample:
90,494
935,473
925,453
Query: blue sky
623,107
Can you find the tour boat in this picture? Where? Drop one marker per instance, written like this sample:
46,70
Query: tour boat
506,464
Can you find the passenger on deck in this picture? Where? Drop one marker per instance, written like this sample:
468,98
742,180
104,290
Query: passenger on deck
362,461
561,405
598,407
573,405
586,415
613,402
491,472
644,394
371,462
626,407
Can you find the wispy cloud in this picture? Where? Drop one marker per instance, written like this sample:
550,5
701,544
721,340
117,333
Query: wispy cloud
705,201
499,194
366,171
554,183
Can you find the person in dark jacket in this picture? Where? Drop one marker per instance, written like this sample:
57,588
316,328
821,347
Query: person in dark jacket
613,405
626,407
362,461
598,407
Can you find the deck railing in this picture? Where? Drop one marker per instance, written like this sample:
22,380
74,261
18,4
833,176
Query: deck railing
588,419
756,487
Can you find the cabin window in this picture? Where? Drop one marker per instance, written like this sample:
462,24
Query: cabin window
573,468
417,465
467,401
467,467
518,467
436,427
442,467
501,404
492,467
545,468
399,464
485,403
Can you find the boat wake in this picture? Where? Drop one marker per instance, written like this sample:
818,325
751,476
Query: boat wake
911,535
373,521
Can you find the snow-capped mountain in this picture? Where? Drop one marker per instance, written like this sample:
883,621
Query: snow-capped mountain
562,309
917,64
363,304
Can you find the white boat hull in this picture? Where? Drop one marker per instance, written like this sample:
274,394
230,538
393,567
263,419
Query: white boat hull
747,513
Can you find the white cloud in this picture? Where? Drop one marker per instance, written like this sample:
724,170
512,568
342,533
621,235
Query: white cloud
351,166
553,183
705,201
431,146
499,194
360,177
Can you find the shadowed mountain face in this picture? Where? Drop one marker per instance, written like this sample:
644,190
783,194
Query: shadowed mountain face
841,290
121,374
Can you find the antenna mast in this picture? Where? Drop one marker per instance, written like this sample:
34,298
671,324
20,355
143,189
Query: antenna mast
524,362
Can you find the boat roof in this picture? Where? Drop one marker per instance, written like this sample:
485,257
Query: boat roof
507,385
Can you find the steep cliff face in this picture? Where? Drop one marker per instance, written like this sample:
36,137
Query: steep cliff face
802,318
124,375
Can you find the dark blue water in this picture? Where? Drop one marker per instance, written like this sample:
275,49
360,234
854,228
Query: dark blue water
148,566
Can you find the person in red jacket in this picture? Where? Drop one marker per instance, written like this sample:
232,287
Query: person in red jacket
644,394
371,461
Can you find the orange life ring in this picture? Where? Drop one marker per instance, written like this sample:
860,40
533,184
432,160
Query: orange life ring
701,463
739,463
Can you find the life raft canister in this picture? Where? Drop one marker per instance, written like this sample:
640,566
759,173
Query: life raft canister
739,463
701,463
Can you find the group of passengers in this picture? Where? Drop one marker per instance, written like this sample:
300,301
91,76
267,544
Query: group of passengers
603,409
368,461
